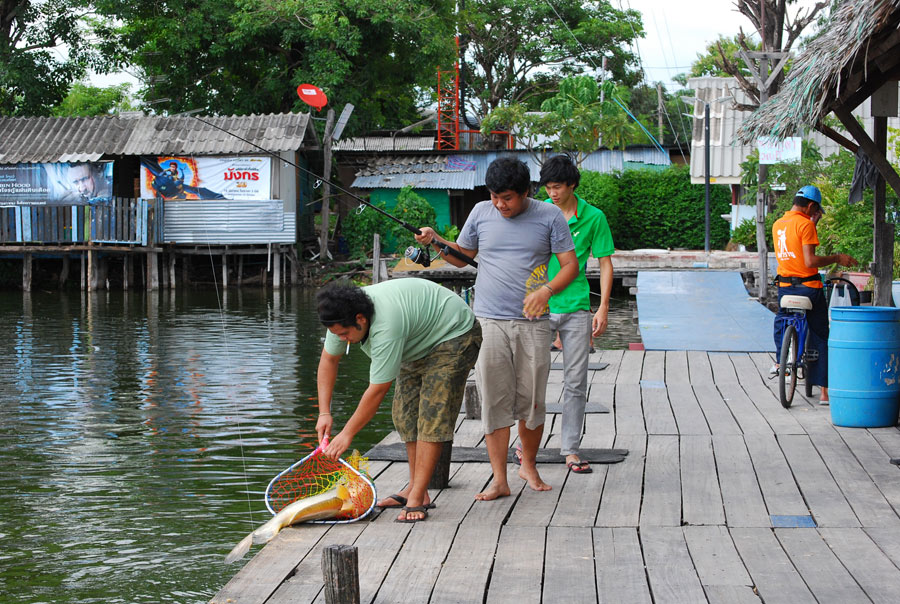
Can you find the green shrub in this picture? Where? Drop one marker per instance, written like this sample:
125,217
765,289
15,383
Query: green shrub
360,226
745,234
415,210
602,191
662,209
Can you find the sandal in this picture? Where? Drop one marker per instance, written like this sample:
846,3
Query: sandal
416,508
401,501
579,467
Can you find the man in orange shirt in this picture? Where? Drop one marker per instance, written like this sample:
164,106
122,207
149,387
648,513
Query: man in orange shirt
795,239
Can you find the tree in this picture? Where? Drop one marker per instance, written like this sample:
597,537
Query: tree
249,56
33,77
515,51
84,100
721,52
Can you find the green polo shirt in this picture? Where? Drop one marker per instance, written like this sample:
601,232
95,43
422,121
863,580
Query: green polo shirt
591,235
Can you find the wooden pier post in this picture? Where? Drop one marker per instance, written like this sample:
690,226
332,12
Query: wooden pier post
127,271
340,570
440,478
240,271
472,401
64,272
224,270
152,271
171,283
276,272
26,272
83,279
90,270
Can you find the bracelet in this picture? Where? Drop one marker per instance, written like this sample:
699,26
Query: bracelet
326,413
552,293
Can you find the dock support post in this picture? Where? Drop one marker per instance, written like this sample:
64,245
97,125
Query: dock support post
64,273
83,281
276,272
152,271
90,270
224,270
127,268
340,570
240,271
26,272
440,478
472,401
171,282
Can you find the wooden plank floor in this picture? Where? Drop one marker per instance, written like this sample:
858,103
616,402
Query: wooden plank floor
725,497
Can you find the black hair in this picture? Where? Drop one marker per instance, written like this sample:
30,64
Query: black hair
561,169
802,202
508,173
338,304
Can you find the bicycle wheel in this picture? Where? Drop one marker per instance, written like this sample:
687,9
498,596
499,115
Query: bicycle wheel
787,366
806,362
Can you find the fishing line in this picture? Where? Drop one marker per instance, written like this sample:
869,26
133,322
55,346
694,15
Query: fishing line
450,251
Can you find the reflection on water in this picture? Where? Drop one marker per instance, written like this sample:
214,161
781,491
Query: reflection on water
137,434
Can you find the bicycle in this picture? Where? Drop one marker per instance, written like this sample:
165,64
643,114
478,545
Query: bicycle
793,363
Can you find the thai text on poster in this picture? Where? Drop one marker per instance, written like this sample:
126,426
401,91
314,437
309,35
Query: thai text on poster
178,177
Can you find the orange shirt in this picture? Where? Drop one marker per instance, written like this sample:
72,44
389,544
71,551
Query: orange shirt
790,233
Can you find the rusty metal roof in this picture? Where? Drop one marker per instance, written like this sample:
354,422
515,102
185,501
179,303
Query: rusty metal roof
75,139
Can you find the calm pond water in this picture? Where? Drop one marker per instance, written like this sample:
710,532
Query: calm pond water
138,434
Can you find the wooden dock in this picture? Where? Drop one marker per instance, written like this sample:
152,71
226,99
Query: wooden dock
725,497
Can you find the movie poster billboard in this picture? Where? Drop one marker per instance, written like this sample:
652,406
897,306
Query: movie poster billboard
176,177
81,183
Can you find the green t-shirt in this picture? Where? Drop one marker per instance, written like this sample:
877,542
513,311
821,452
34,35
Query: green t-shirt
591,235
412,316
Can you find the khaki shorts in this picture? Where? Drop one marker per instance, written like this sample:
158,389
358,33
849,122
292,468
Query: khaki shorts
429,391
511,372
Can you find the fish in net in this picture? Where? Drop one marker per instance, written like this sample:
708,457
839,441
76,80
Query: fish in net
317,473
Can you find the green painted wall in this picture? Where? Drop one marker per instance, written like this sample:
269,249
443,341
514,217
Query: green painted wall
438,198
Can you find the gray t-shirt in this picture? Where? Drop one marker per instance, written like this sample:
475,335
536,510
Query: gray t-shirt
512,254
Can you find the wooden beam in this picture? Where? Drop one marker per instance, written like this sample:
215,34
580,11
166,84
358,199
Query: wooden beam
868,146
837,137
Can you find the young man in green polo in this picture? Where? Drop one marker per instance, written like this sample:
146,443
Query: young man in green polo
570,309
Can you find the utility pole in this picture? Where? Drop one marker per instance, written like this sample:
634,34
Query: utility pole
764,80
660,109
326,189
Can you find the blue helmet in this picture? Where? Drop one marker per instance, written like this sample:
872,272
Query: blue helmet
811,193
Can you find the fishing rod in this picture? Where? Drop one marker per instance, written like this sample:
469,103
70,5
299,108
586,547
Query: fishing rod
415,255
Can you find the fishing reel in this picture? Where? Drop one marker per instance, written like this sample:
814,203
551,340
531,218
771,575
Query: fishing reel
418,255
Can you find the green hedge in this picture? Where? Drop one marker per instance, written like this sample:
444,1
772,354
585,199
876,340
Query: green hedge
658,209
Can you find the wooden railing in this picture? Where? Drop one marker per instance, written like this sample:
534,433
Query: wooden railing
121,221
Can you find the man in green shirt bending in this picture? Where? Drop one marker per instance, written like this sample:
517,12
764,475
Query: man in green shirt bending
419,333
570,309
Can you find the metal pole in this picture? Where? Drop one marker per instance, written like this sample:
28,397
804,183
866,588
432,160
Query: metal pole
706,135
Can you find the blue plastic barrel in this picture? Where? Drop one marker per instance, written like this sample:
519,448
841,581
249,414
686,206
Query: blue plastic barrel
864,366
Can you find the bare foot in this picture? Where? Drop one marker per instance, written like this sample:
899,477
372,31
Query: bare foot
494,491
391,502
531,476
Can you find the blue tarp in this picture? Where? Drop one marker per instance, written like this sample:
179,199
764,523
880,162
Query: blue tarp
701,310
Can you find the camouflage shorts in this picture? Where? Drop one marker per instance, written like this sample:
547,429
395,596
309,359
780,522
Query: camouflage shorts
429,391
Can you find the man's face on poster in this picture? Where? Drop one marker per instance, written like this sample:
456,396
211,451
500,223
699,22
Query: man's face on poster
82,179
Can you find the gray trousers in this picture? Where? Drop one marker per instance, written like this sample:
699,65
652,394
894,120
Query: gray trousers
575,334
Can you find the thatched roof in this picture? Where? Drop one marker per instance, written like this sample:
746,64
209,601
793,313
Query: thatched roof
854,55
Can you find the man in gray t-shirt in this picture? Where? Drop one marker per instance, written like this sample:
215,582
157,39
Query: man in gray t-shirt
514,237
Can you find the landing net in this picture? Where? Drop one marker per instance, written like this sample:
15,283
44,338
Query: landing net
317,473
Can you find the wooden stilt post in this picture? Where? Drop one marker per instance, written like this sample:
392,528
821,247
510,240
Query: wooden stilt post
240,271
340,570
90,271
152,271
83,279
64,273
276,272
440,478
224,270
127,268
472,401
26,271
171,282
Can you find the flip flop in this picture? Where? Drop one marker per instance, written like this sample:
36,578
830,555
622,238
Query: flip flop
415,508
401,501
517,456
579,467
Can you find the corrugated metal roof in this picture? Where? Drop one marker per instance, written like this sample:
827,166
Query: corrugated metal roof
432,172
423,180
63,139
725,156
386,143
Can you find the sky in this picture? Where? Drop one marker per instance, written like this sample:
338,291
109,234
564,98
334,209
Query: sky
677,31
